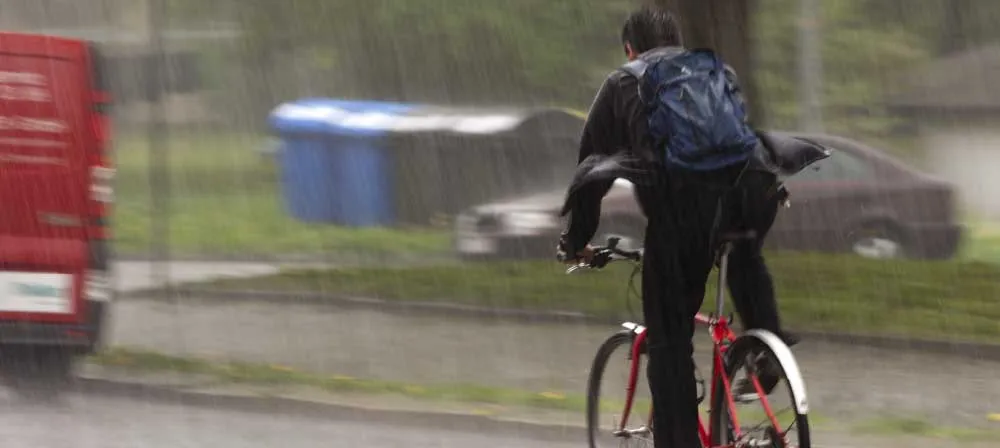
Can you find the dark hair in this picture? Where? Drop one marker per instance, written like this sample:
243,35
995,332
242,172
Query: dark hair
651,27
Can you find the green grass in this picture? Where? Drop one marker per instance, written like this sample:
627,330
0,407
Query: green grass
981,241
919,427
263,374
942,300
224,198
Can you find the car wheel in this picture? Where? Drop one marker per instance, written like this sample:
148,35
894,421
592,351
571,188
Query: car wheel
877,241
36,372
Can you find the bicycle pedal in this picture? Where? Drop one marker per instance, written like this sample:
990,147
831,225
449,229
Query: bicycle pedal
745,398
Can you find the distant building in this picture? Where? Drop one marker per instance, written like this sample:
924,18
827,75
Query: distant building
956,103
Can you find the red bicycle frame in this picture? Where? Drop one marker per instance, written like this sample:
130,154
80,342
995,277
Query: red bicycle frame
722,337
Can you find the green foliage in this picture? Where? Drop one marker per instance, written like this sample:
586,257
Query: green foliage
530,52
438,50
861,55
941,23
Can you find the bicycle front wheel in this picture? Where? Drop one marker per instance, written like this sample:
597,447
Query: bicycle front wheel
775,414
613,419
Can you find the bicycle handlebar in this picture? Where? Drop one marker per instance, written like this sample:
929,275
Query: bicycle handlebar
603,255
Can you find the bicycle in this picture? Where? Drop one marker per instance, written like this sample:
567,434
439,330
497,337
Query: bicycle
750,350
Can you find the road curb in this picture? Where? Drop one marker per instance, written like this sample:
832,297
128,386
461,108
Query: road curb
976,350
444,309
271,405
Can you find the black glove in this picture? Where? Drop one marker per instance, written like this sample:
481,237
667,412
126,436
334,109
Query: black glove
563,250
566,252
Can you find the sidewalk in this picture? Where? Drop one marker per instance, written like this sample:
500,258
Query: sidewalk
142,275
138,275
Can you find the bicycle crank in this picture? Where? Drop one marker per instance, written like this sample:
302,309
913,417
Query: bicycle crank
771,440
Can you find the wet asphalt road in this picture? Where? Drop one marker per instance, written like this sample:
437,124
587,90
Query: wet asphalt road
842,380
87,420
107,415
853,382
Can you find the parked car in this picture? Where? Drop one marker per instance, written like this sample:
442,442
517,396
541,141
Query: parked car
858,200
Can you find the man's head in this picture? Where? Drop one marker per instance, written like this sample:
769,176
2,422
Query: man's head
648,28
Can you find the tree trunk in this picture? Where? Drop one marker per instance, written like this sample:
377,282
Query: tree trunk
726,27
955,22
810,67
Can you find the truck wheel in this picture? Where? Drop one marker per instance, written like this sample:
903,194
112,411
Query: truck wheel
36,371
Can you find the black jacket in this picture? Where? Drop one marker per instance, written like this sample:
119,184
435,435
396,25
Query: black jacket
615,144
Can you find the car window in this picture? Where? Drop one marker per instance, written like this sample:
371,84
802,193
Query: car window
841,165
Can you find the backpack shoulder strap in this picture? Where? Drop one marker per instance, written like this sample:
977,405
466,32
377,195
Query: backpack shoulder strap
637,69
705,52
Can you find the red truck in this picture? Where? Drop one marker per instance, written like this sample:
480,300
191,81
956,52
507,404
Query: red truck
55,198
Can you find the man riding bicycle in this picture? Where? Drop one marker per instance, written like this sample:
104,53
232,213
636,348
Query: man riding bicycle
685,210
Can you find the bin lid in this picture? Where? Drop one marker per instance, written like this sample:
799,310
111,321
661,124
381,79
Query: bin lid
337,117
375,118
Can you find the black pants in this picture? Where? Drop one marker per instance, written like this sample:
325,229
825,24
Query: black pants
678,258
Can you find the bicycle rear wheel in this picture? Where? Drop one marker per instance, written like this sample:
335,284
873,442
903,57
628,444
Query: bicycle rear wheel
778,419
607,393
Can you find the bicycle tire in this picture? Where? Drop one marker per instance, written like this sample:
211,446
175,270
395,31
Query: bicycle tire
600,363
738,351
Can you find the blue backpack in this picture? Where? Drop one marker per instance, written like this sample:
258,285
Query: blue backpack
695,111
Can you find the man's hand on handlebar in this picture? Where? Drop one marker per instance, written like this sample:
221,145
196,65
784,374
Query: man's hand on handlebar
598,257
584,256
564,252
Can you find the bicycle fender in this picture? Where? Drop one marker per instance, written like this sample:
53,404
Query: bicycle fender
634,327
787,361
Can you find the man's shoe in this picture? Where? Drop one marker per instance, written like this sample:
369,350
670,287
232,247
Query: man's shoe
790,339
768,374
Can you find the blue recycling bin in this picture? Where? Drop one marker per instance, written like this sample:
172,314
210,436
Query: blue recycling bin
335,168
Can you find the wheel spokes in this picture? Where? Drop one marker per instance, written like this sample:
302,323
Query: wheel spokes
631,428
763,420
